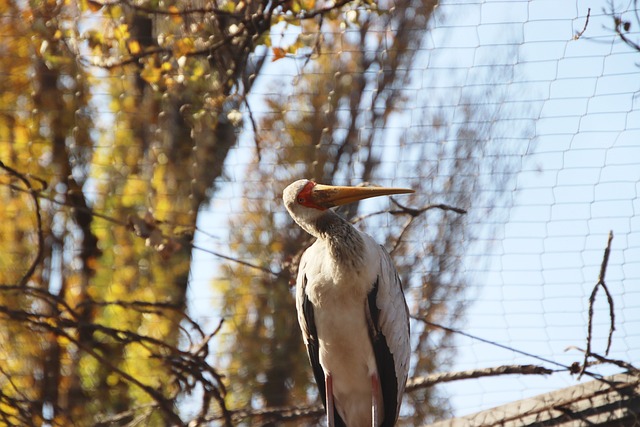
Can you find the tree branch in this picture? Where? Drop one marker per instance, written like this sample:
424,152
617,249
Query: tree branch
288,413
621,27
592,298
433,379
39,232
586,23
404,210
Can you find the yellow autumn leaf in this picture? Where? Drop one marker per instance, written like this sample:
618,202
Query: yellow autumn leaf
122,31
174,13
197,71
151,74
183,46
308,4
134,47
166,66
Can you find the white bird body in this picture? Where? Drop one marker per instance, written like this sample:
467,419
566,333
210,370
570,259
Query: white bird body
345,351
352,313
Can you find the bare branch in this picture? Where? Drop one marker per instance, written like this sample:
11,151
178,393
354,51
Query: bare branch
416,212
602,360
586,23
405,210
592,298
412,212
164,403
168,12
254,127
141,413
621,363
296,413
39,232
433,379
269,415
621,27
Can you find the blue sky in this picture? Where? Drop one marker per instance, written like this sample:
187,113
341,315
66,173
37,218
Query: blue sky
580,181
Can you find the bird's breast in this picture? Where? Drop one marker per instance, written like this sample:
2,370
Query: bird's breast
333,281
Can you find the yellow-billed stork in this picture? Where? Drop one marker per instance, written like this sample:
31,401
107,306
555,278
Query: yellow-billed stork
351,309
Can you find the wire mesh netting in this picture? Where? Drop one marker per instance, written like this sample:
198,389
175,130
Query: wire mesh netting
148,262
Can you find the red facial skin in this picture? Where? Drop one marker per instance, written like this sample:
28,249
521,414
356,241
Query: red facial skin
305,197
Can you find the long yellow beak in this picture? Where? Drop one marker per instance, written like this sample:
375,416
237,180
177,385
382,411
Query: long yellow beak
330,195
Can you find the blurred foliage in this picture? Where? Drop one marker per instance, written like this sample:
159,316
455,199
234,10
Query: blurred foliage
117,117
625,22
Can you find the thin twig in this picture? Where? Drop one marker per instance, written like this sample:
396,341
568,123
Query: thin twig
34,197
413,212
621,27
621,363
256,134
603,359
400,237
405,210
280,413
164,403
592,298
416,212
586,23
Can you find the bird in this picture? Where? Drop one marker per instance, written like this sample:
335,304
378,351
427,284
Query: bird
351,308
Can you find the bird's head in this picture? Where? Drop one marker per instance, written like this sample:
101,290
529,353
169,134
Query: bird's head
306,201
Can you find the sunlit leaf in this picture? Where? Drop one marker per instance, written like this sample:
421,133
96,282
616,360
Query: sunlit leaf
308,4
183,46
122,32
175,15
151,73
278,53
134,47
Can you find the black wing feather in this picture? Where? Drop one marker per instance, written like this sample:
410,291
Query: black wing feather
384,360
313,351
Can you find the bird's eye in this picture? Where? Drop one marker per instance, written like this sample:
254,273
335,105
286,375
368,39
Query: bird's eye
301,200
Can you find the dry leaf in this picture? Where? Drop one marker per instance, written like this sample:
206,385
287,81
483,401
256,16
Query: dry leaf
278,53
